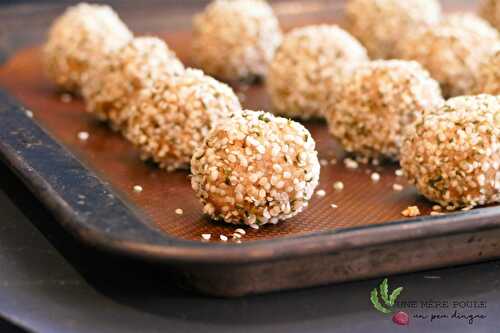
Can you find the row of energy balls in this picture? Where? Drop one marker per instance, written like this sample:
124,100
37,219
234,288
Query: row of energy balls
247,167
256,168
385,108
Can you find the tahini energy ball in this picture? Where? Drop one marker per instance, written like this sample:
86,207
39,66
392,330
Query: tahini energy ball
79,37
373,106
306,67
119,77
488,76
451,51
172,118
235,39
452,155
255,169
380,24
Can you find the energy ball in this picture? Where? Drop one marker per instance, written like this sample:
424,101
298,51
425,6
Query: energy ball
120,76
380,24
451,51
488,77
235,39
168,121
255,169
375,104
306,65
453,155
79,37
490,11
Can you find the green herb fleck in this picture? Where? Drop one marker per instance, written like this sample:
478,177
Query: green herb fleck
262,117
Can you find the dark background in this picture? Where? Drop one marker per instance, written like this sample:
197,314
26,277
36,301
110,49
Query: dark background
51,283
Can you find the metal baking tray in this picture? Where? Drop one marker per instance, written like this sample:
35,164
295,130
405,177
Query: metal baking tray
89,187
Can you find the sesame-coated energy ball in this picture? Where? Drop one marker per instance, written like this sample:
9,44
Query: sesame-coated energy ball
255,169
306,65
120,76
380,24
374,105
490,11
451,51
173,117
453,155
79,37
235,39
488,76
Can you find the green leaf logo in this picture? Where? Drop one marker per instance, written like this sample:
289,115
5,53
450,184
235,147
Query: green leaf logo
388,299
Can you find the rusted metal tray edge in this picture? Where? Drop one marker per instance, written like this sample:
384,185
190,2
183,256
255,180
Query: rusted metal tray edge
104,220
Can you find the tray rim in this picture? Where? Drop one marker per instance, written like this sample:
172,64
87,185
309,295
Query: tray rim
152,244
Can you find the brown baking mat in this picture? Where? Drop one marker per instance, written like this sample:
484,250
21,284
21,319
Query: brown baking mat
361,203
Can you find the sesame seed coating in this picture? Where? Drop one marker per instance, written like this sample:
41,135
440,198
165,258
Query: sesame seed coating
168,121
255,169
78,38
488,76
308,62
452,155
120,76
451,51
490,11
380,24
235,39
375,104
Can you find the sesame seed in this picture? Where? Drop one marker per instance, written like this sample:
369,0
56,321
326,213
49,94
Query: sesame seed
254,226
338,186
323,162
83,136
437,208
362,159
66,98
333,161
29,113
411,211
236,235
137,188
320,193
350,163
397,187
223,238
436,213
399,173
375,177
179,211
206,237
334,206
241,231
